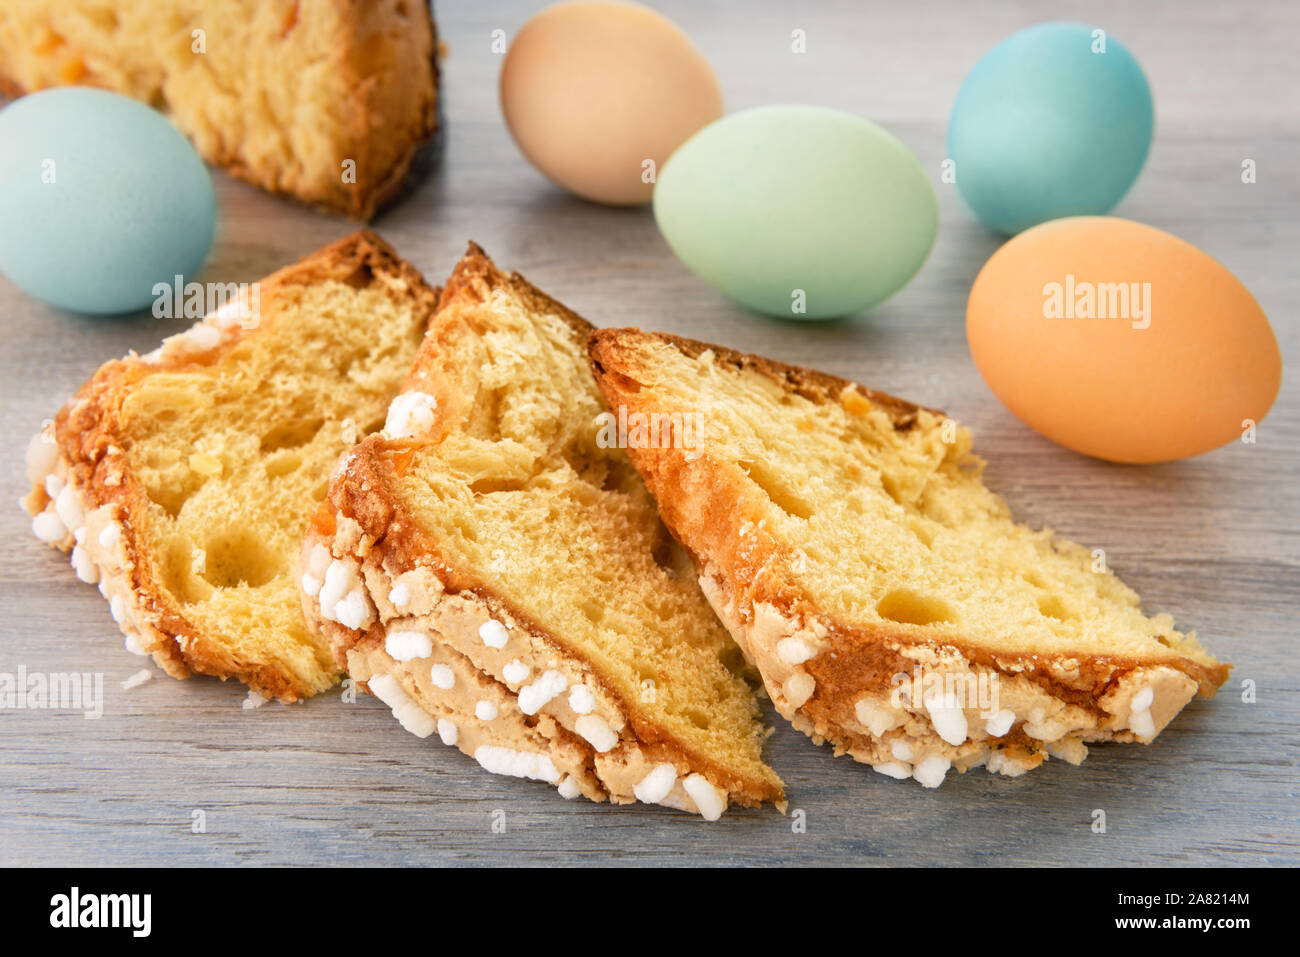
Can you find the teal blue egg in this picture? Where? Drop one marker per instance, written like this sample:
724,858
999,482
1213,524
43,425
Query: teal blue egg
101,198
798,211
1054,121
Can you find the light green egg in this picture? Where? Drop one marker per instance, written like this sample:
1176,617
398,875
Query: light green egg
798,211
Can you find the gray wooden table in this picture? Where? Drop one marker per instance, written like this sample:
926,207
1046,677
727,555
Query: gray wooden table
1212,540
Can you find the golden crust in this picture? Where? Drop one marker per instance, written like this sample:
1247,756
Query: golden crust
705,508
390,118
88,435
365,491
811,384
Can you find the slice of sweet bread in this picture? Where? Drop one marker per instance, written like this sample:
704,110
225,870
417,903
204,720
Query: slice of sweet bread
891,603
328,101
496,574
182,481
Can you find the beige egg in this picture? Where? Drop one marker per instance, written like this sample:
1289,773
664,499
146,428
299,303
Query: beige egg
597,95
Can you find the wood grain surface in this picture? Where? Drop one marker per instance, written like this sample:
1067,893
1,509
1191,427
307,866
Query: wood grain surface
1212,540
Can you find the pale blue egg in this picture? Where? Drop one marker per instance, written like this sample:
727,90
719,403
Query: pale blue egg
1054,121
797,211
101,198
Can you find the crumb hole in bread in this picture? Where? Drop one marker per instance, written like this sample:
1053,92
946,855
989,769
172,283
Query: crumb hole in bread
291,435
178,572
106,20
592,610
891,487
774,486
911,608
172,495
488,486
697,718
238,557
1053,607
281,465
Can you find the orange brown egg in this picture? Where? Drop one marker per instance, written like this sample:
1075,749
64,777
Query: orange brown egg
1121,341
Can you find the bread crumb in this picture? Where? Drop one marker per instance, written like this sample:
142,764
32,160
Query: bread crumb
254,700
205,464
